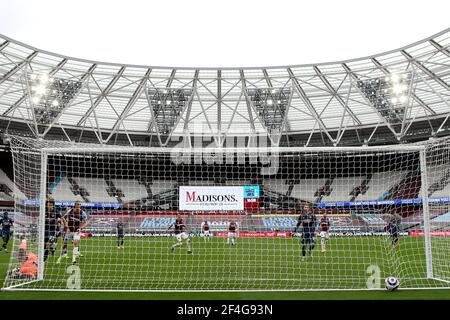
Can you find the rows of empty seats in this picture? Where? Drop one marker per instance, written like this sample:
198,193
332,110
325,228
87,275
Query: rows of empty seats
160,186
342,187
62,192
96,188
445,192
131,189
380,184
201,183
306,189
9,184
277,185
438,181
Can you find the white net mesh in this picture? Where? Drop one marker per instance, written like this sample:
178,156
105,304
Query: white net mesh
372,198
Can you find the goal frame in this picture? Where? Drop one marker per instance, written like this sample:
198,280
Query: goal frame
83,149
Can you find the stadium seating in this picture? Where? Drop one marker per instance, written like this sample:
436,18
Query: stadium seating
96,188
338,189
276,185
132,189
159,186
62,192
438,181
9,184
342,187
307,188
380,184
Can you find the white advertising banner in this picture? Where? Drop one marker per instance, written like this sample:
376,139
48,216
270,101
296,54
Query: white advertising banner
211,198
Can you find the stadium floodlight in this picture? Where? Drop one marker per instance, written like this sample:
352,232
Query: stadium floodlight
271,114
167,115
397,89
403,99
387,95
44,78
395,78
40,89
384,204
50,95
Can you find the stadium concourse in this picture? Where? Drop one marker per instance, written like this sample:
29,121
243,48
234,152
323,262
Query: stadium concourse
308,177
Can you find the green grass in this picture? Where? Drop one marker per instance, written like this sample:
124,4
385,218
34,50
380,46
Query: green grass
259,264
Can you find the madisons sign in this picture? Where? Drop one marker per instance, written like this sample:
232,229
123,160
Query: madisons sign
211,198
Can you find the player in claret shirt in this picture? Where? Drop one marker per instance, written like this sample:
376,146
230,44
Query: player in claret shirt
324,235
308,221
73,223
180,234
232,229
205,231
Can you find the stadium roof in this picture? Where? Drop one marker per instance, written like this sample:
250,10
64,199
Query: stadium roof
43,92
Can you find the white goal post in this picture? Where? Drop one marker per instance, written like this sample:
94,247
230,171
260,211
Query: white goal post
372,212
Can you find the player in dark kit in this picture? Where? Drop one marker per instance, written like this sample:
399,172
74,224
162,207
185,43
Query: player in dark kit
308,221
6,223
393,228
120,234
52,220
180,234
73,223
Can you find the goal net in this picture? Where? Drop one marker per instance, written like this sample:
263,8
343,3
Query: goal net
90,217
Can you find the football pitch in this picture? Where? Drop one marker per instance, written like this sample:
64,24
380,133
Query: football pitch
254,263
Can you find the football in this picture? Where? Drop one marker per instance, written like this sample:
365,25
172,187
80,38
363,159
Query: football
391,283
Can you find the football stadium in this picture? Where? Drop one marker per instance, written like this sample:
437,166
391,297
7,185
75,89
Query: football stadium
318,180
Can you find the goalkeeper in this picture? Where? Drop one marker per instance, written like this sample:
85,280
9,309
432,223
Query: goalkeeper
308,221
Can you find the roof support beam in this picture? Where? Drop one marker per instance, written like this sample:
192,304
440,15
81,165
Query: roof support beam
137,93
416,98
4,45
308,104
219,106
336,95
266,76
247,100
102,95
425,70
18,67
440,48
172,76
191,99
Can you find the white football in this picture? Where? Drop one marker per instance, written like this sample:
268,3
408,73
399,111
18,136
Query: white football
391,283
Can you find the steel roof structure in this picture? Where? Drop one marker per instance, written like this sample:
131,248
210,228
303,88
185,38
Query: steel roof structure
396,93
